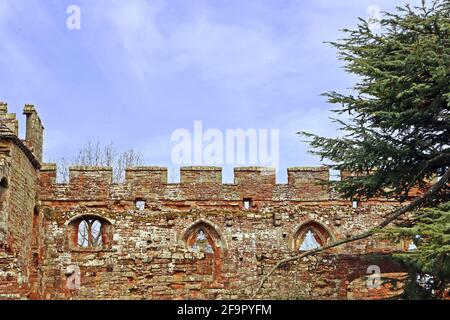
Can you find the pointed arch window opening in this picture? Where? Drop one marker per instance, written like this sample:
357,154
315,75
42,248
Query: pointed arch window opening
309,242
203,237
310,236
89,232
202,242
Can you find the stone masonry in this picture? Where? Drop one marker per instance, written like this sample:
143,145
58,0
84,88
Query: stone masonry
197,239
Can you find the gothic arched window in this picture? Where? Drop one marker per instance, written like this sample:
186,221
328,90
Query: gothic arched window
309,242
310,236
202,242
203,237
90,232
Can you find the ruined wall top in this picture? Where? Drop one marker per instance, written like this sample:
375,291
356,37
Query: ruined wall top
192,174
34,136
8,119
32,145
304,183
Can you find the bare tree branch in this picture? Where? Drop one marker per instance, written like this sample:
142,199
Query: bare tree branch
97,233
92,154
83,231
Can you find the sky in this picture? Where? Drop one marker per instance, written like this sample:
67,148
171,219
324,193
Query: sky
138,70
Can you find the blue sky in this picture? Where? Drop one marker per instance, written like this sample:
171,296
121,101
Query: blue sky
137,70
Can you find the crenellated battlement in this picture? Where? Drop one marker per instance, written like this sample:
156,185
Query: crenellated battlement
8,119
305,183
141,175
254,176
188,175
90,175
302,175
202,175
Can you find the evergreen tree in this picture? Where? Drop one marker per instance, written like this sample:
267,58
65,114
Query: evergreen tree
397,135
397,132
429,258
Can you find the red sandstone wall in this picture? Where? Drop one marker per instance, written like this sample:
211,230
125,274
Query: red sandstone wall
19,201
149,255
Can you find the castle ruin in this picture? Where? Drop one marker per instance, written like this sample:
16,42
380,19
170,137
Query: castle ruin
146,238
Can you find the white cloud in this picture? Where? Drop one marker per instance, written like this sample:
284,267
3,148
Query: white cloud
145,40
20,66
140,40
135,29
228,53
225,54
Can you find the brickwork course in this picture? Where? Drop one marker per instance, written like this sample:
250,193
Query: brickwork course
146,238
